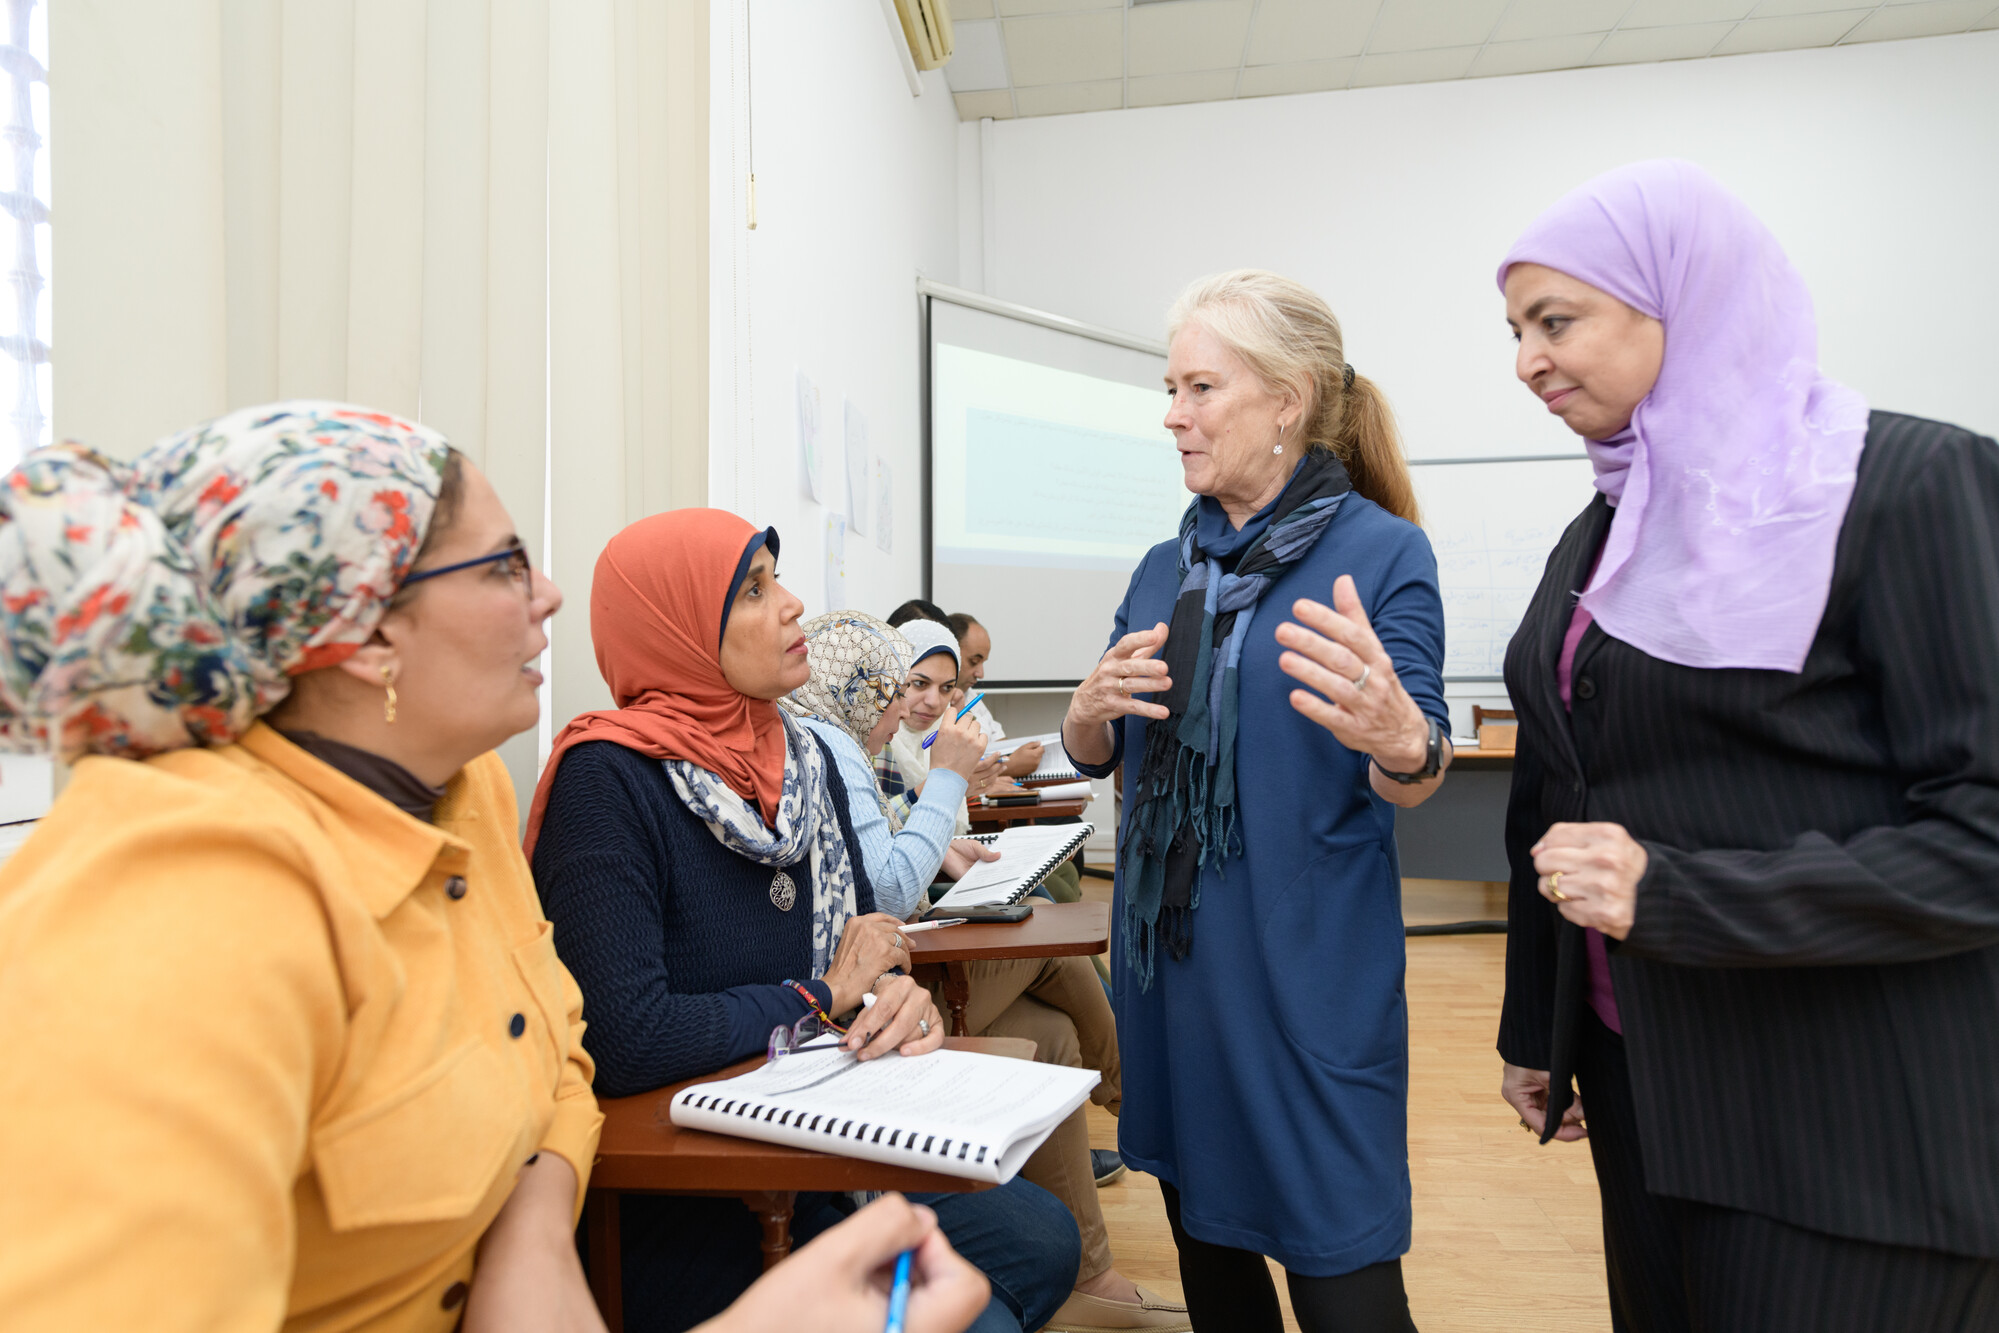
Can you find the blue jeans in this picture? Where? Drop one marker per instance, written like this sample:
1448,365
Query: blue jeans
686,1259
1025,1242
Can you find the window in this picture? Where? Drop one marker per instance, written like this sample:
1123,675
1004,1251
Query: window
24,326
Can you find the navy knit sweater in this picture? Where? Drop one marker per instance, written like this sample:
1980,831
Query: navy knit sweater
675,940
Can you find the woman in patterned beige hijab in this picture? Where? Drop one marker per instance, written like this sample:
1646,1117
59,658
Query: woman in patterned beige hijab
859,665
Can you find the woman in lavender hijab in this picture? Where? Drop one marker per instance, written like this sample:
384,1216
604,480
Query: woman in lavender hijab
1754,830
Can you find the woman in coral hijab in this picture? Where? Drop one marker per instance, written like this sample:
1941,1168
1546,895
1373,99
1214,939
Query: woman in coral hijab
694,849
1755,815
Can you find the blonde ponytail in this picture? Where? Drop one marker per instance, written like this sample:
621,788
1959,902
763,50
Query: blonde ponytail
1290,339
1370,446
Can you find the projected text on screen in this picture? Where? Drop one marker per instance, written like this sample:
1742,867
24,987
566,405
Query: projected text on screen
1038,466
1050,481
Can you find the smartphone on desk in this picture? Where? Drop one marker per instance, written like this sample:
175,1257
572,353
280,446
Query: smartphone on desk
997,914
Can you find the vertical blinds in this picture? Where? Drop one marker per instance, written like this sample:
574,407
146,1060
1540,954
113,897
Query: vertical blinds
26,203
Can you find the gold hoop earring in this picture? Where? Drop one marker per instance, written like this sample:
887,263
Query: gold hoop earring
389,705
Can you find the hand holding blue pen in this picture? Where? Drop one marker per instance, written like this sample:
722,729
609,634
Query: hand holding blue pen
898,1293
890,1257
961,712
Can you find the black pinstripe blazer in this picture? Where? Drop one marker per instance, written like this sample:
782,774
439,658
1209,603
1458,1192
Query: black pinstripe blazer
1810,991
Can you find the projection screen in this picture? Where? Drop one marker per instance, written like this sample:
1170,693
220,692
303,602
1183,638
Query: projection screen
1050,476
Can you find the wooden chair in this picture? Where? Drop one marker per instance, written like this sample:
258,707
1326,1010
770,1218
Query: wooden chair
1497,728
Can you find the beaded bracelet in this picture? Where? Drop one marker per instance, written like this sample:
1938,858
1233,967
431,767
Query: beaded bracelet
812,1002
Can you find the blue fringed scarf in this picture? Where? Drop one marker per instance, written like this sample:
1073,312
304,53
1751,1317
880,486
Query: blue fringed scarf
1184,812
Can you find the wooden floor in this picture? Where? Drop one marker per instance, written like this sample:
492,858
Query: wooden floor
1507,1235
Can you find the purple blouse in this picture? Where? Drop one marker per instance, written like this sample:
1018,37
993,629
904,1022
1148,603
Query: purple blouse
1601,997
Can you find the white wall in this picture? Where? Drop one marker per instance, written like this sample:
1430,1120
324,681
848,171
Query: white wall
1874,164
857,194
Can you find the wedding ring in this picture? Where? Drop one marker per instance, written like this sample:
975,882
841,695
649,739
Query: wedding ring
1124,686
1524,1125
1555,888
901,943
1360,681
923,1026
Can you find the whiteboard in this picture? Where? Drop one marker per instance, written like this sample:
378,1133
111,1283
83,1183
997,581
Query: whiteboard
1492,525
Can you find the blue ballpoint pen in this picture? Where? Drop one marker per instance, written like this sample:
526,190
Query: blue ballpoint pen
961,712
898,1294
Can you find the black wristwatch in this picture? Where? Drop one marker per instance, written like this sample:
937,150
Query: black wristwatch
1433,761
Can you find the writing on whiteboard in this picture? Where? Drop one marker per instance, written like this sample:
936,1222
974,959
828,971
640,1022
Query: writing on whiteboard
1492,526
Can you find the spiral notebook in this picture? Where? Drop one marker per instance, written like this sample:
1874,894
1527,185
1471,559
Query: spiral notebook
1054,765
1029,853
955,1112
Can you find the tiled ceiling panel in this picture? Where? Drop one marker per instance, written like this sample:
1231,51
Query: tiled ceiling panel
1551,18
1059,57
1426,25
1173,38
1288,30
1066,48
978,60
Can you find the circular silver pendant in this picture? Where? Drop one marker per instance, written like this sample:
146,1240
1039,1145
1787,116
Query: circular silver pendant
783,892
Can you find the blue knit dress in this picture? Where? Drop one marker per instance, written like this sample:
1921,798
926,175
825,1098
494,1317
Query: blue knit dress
1266,1075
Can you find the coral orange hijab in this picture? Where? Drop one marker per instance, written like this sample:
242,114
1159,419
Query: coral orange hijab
658,602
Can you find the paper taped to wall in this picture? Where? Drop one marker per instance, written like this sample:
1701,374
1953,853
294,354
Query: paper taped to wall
812,480
855,439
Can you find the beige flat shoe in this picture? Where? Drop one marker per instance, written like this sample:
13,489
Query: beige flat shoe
1083,1313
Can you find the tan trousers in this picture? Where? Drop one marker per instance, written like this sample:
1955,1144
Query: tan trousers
1060,1006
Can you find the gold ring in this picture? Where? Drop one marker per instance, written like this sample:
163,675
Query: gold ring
1524,1125
1555,888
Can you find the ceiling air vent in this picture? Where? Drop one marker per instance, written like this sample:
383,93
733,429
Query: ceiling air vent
926,24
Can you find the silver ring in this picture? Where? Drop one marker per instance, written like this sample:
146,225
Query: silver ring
1360,681
923,1026
901,943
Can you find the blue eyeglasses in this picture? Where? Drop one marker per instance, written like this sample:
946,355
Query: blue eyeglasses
519,567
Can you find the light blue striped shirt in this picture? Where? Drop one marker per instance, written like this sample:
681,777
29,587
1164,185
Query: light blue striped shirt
900,865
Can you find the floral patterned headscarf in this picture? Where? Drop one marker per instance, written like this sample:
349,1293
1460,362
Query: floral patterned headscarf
168,602
858,664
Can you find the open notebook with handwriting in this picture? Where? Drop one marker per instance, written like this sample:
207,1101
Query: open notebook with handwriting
954,1112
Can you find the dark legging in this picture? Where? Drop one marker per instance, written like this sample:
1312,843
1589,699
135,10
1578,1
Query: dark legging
1230,1291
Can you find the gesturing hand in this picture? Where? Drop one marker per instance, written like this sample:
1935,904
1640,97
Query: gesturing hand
1127,670
1591,873
1364,704
839,1283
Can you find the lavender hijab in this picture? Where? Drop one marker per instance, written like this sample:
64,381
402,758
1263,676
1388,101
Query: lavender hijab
1733,478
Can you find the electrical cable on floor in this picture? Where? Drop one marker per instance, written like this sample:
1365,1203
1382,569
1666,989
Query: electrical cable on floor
1458,928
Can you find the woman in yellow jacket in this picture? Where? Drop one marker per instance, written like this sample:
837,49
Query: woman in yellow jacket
284,1041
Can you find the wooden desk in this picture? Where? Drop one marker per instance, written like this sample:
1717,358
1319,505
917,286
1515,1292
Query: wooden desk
1056,930
1460,833
642,1152
987,818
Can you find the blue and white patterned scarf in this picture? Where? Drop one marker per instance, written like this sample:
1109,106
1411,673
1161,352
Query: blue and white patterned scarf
807,826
